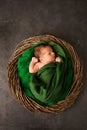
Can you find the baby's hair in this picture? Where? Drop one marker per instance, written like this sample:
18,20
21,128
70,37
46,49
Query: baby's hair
37,50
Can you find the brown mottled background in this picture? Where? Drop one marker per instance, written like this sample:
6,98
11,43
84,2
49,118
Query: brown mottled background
20,19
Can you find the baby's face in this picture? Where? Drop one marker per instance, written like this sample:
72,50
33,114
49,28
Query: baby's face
47,54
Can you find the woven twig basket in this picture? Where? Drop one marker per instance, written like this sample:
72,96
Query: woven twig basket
14,81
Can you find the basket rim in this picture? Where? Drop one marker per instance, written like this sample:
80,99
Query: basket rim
14,79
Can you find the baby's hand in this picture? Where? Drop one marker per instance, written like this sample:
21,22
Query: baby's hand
33,68
34,59
58,59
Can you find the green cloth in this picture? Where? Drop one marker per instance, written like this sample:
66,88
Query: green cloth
52,82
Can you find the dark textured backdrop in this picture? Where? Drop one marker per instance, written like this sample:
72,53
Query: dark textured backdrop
20,19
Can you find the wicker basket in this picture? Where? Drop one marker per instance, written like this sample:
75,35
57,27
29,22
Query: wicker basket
14,81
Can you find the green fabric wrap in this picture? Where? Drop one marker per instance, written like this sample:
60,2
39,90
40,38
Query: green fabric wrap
52,82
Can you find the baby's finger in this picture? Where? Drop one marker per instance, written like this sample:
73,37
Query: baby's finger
58,59
34,59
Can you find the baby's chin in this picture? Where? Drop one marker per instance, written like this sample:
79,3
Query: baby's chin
51,60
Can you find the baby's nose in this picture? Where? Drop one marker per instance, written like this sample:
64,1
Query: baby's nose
53,53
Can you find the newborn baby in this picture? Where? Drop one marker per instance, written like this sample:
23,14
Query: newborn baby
44,54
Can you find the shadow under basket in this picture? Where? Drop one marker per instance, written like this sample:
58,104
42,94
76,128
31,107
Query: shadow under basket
14,81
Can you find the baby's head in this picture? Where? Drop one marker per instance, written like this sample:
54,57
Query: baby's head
44,53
